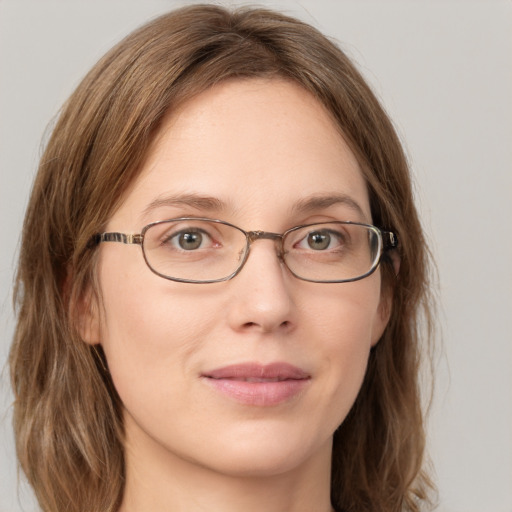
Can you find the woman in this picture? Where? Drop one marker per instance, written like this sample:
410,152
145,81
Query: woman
220,282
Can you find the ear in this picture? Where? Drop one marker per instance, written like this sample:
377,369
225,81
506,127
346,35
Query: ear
386,297
88,318
382,314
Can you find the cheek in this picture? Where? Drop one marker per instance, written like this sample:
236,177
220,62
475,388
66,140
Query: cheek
346,315
146,333
344,330
150,338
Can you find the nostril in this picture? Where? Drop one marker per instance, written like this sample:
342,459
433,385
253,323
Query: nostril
255,325
250,324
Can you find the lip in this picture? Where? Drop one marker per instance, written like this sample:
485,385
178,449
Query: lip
257,384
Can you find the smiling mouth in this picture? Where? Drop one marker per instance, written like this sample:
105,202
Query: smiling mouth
258,385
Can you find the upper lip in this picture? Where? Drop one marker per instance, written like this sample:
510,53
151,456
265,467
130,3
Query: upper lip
258,372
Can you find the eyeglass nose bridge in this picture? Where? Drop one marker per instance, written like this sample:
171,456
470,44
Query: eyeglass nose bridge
252,236
264,235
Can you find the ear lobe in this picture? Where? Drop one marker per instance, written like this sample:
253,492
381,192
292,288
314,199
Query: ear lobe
88,318
395,261
382,315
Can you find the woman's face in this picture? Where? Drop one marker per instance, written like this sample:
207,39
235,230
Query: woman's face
196,365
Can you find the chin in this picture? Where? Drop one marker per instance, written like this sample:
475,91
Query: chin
268,453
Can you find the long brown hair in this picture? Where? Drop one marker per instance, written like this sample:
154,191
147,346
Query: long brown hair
67,415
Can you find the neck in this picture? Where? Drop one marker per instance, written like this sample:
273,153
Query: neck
159,481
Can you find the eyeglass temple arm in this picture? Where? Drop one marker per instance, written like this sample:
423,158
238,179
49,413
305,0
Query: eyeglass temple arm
389,240
117,237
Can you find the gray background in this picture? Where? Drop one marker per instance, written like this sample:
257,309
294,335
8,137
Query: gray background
444,71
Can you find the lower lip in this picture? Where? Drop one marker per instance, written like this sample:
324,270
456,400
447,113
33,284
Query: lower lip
264,394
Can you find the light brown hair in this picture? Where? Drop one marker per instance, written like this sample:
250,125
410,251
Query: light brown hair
67,415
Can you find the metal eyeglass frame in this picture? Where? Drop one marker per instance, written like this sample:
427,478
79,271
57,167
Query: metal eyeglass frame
388,241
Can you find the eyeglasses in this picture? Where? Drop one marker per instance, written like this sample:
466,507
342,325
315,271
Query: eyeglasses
200,250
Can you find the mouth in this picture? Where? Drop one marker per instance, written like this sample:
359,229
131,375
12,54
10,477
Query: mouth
256,384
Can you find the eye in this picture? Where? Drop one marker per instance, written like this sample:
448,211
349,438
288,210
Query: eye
321,240
189,240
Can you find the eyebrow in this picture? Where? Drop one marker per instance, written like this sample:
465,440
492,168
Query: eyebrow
323,202
212,204
199,202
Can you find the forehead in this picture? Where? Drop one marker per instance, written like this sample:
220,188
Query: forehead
257,146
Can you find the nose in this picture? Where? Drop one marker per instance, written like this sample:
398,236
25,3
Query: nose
262,299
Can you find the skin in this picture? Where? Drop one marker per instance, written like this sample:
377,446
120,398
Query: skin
260,147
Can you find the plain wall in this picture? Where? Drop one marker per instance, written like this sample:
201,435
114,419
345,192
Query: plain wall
444,72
